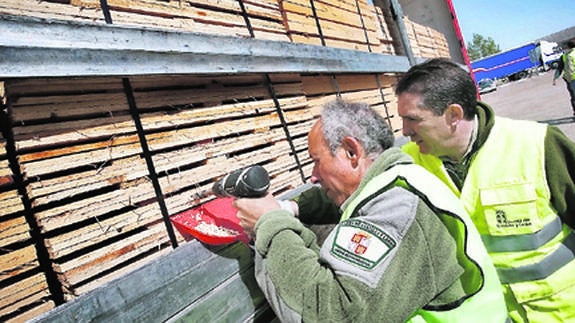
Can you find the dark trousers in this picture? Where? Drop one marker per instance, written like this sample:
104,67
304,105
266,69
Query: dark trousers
571,89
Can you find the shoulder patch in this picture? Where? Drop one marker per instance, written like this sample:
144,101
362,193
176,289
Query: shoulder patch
361,243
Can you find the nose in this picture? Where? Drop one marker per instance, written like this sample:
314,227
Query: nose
314,179
314,176
405,129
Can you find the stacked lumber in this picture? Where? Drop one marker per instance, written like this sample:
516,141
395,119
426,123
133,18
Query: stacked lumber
200,128
348,24
376,90
24,289
81,160
343,23
425,41
223,17
386,31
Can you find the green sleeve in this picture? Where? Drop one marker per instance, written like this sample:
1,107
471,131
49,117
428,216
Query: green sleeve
424,271
560,169
316,208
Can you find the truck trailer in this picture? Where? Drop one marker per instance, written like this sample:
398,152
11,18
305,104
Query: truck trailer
518,62
116,116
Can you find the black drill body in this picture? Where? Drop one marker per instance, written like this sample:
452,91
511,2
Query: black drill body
251,181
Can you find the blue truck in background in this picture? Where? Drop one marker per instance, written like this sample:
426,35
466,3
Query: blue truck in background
516,63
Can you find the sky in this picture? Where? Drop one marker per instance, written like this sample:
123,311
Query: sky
511,23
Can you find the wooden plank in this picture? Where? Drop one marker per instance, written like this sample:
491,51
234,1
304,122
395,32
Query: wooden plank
2,139
35,87
26,109
341,28
44,191
204,15
23,293
35,136
343,12
197,81
88,265
48,10
90,208
13,230
93,155
104,229
15,262
307,25
30,313
5,168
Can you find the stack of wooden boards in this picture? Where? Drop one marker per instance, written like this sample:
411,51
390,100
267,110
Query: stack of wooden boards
78,204
346,24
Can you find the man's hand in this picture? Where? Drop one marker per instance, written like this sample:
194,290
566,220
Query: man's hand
251,209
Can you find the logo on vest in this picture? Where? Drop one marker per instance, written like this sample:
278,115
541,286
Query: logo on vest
361,243
503,222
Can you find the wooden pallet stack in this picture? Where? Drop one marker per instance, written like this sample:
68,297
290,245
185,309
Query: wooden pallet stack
343,24
425,41
346,24
23,285
222,17
80,158
340,24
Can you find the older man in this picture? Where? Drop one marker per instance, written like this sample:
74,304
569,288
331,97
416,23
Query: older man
403,249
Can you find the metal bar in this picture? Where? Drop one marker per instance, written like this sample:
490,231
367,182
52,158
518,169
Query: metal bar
149,162
42,48
398,17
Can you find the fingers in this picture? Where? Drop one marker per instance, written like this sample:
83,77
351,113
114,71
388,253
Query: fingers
251,209
246,225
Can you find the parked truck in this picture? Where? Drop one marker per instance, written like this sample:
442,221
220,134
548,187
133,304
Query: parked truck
518,62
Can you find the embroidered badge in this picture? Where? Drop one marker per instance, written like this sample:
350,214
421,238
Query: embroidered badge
361,243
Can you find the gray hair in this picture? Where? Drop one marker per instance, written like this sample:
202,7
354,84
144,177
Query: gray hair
357,120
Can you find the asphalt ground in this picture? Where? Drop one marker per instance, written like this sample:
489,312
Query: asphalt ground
535,98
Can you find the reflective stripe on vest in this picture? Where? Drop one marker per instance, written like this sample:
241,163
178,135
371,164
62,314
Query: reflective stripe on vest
544,268
486,294
522,242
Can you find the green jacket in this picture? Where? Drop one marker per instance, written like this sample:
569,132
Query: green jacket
412,264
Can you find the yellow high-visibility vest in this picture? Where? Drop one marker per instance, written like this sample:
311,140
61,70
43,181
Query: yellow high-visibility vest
508,199
569,65
480,281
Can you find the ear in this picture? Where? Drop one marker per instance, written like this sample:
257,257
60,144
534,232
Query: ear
353,150
453,114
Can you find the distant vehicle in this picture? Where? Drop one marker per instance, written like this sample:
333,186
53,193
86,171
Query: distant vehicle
486,86
550,54
517,63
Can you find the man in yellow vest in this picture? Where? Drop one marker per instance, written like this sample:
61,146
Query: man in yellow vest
402,249
515,178
567,67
